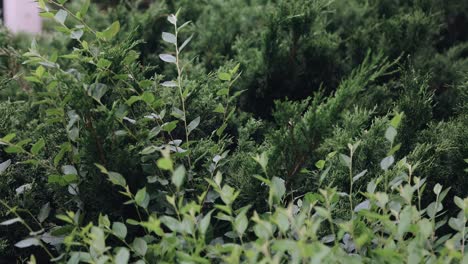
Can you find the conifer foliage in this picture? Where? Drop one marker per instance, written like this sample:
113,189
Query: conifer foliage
236,131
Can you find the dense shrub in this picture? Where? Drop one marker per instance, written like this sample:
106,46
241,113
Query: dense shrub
263,131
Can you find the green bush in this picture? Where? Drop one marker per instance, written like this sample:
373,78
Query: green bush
319,133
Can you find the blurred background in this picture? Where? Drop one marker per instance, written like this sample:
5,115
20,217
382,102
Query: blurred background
21,16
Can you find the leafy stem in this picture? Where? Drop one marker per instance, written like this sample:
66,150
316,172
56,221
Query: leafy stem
181,94
25,224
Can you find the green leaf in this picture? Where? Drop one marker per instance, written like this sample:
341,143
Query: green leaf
168,58
313,197
437,189
172,19
64,148
224,91
433,208
64,30
41,4
262,160
145,83
140,246
13,149
97,91
205,223
235,69
28,242
8,138
178,176
133,99
104,221
131,57
221,129
277,187
76,34
149,150
387,162
184,25
459,202
219,109
141,198
282,221
169,37
44,212
324,174
168,127
117,179
122,256
11,221
406,217
194,124
396,120
119,229
365,205
40,71
62,180
132,222
228,195
46,15
38,146
186,42
110,32
55,112
322,212
320,164
241,223
69,178
69,170
103,63
345,160
165,164
224,76
359,175
4,166
148,97
456,224
390,134
64,218
394,149
32,79
98,240
54,178
169,84
61,16
101,168
84,8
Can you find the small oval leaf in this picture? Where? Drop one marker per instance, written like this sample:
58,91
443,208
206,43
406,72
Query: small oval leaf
169,37
168,58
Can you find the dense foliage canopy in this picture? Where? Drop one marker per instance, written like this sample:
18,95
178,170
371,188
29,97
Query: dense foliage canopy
232,131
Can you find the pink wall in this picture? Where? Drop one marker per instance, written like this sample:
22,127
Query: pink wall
22,16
